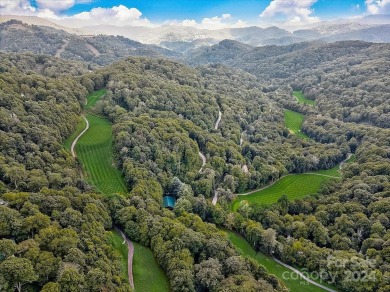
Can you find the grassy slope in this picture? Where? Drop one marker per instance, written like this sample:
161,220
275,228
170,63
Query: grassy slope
295,186
293,122
116,241
302,99
93,98
95,151
273,267
148,275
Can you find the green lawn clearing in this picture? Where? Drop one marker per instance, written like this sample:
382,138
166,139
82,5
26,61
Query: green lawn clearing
148,275
93,98
95,151
293,122
295,186
302,99
116,242
292,281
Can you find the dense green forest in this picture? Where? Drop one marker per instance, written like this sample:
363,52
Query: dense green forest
163,115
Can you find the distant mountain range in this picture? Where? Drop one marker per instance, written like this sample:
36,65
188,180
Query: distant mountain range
16,36
184,39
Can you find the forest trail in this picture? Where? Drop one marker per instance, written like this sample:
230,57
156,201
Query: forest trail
203,161
93,50
302,275
241,138
78,137
349,155
218,120
130,247
215,198
61,50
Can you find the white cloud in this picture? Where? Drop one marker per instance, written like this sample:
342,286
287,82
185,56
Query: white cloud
16,7
59,5
294,11
117,15
378,6
216,22
55,5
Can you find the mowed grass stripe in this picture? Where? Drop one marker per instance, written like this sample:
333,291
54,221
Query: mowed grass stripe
293,282
293,122
302,99
294,186
94,149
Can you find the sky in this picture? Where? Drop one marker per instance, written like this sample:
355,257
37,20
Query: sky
212,14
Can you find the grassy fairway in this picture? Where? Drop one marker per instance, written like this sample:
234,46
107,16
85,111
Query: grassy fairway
295,284
302,99
148,275
293,122
94,149
295,186
116,242
93,98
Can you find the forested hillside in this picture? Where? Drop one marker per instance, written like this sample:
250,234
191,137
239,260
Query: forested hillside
200,135
16,36
347,79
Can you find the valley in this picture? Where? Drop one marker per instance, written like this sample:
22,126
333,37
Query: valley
229,159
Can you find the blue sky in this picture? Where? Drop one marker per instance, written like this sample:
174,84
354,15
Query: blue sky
211,14
249,10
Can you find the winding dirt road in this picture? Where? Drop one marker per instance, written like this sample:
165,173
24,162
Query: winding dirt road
241,138
130,247
302,275
215,198
78,137
203,161
61,50
349,155
218,120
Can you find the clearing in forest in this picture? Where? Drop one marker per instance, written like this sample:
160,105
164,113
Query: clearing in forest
294,186
95,151
293,122
302,99
148,275
286,276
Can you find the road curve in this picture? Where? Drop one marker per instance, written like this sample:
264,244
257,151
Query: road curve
218,120
241,138
203,161
78,137
215,198
130,247
303,276
349,155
